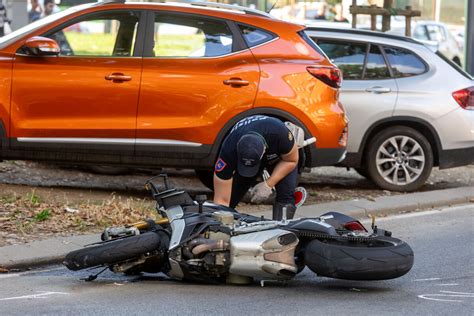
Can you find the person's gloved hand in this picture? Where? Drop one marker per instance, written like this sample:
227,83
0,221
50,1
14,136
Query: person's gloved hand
260,192
298,133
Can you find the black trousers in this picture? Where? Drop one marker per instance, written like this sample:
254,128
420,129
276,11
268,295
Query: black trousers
285,189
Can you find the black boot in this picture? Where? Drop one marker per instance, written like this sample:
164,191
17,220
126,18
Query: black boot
278,211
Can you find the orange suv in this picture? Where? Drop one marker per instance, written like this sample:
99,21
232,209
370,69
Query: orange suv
147,84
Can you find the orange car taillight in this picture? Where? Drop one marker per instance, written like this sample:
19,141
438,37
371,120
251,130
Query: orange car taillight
327,74
465,98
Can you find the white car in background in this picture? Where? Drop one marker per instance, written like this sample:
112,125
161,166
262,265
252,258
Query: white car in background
435,32
409,108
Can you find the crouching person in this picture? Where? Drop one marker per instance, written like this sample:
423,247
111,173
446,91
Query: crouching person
256,143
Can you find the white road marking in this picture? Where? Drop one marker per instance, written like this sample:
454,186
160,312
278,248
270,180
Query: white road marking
429,279
447,295
33,296
9,275
461,293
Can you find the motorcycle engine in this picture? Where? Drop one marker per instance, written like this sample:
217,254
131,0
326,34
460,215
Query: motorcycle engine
207,257
226,253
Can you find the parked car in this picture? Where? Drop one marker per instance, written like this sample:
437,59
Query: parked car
436,32
160,85
409,109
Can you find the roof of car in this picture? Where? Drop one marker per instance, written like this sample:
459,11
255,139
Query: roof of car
364,32
199,5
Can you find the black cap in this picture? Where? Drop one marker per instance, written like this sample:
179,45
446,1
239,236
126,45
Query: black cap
250,149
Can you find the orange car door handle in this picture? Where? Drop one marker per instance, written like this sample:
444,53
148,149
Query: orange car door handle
118,77
236,82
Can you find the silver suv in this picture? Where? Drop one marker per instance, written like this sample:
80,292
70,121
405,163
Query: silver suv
409,108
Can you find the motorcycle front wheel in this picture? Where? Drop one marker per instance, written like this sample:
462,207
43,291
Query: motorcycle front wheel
381,258
112,252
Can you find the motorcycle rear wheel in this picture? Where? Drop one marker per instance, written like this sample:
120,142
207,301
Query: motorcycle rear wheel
387,258
112,252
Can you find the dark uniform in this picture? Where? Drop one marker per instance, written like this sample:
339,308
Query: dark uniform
278,141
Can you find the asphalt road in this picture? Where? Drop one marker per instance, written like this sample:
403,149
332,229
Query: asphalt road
440,283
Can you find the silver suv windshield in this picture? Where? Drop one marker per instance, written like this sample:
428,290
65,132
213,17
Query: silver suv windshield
13,36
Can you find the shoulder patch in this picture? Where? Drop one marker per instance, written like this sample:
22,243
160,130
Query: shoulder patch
220,165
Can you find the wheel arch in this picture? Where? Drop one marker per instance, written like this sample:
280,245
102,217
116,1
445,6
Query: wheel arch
425,128
277,113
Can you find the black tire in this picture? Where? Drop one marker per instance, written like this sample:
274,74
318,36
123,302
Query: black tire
112,252
206,177
351,261
406,179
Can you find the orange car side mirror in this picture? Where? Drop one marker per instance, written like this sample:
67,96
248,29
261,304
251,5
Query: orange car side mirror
41,46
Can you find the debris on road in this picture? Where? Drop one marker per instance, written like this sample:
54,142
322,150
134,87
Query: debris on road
71,210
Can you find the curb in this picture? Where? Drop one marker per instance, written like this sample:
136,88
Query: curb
52,251
32,263
41,253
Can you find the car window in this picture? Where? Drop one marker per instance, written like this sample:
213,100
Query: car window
420,33
403,62
254,36
185,36
435,33
376,67
349,57
103,35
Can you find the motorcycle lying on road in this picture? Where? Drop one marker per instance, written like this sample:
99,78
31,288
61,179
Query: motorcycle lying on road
198,241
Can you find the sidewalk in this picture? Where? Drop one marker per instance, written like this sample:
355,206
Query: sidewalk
52,251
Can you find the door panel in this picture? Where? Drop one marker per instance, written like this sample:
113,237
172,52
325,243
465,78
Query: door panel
70,97
186,94
364,105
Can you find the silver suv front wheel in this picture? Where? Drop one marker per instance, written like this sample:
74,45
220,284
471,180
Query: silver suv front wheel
399,158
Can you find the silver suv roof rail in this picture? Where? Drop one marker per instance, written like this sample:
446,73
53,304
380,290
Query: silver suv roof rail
232,7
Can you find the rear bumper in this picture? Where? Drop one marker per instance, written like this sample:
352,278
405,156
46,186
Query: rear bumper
456,157
325,156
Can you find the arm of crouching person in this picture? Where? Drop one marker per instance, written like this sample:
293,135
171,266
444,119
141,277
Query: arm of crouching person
284,167
222,191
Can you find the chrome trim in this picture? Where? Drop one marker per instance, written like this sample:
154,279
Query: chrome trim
171,142
107,141
73,140
82,56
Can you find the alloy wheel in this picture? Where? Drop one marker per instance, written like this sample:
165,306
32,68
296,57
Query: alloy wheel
400,160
